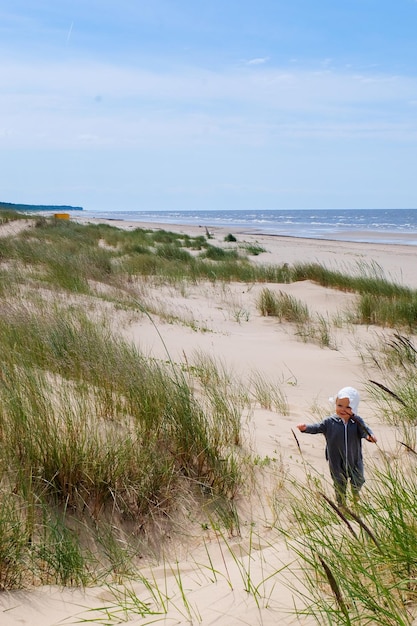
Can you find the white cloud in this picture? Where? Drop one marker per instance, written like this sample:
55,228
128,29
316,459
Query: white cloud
258,61
52,104
301,89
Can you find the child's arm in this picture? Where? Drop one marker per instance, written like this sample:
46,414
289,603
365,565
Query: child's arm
367,432
312,429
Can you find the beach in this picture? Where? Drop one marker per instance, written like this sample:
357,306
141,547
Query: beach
396,260
224,323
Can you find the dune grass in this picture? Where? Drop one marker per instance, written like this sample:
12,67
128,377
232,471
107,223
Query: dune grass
102,446
9,215
94,431
361,563
394,388
71,256
380,301
283,306
287,308
268,393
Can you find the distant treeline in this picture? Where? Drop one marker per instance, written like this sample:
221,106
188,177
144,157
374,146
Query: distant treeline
9,206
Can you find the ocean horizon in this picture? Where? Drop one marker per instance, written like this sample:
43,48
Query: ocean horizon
356,225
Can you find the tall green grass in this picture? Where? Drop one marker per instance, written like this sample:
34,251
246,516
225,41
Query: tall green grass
94,373
107,254
269,393
380,301
100,444
7,215
283,306
72,257
287,308
393,388
91,428
361,564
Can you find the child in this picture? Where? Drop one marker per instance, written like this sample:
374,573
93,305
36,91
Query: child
344,431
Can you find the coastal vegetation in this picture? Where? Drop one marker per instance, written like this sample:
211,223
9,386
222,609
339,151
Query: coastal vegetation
361,564
106,453
11,206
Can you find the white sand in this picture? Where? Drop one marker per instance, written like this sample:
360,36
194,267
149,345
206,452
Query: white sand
233,333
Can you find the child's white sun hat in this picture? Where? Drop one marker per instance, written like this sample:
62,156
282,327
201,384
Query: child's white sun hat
353,395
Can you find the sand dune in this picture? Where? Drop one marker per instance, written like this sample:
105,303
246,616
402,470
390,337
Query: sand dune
226,326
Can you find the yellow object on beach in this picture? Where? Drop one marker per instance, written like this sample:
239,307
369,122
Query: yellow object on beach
62,216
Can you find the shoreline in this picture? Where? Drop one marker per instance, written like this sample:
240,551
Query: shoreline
392,261
378,238
364,236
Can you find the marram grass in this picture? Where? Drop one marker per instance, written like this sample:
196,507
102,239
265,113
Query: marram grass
91,428
73,257
99,444
361,563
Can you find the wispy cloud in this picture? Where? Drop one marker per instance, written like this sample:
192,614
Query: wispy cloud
259,60
70,32
105,104
161,84
299,88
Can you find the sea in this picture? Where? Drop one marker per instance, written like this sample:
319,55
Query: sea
392,226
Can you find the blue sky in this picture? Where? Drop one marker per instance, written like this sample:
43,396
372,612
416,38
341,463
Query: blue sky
227,104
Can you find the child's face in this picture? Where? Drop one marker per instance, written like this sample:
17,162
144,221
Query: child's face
343,409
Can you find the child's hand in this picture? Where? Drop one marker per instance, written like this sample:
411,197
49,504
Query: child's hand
301,427
372,438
